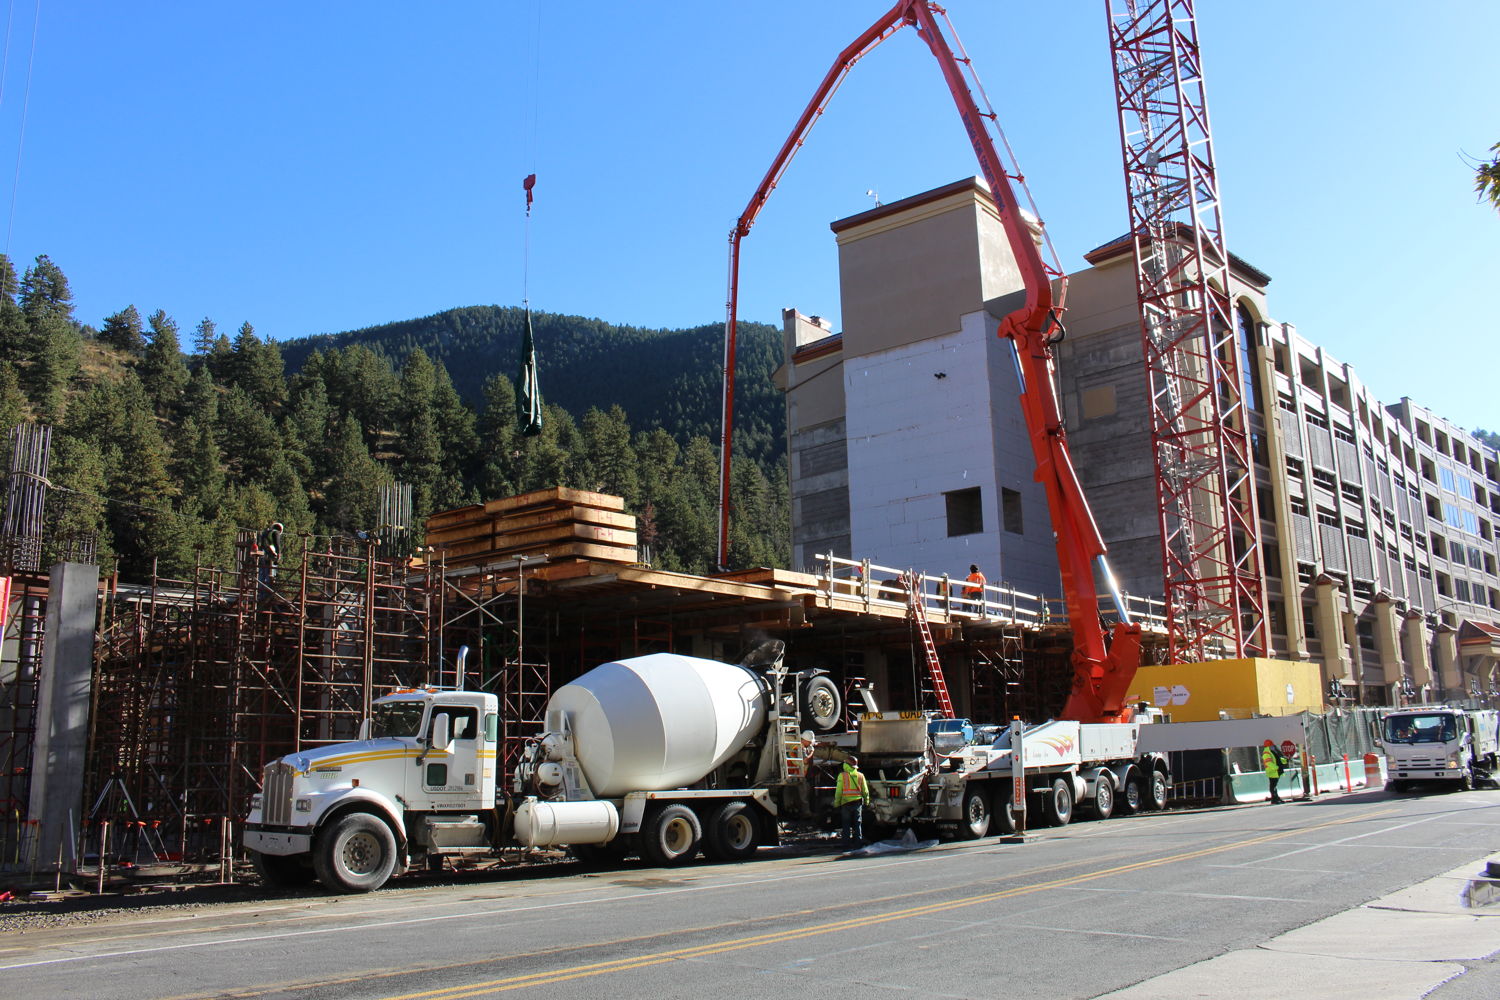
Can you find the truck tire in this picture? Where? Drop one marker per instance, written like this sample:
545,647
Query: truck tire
1157,790
1058,802
1130,798
1001,819
1103,805
733,832
671,836
822,706
356,854
977,812
278,871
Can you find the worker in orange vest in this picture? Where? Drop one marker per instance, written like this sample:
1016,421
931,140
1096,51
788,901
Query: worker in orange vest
976,582
849,797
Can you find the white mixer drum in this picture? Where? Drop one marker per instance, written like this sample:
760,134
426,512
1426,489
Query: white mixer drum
661,721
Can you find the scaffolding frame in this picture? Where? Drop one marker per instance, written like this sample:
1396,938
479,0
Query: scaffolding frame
198,683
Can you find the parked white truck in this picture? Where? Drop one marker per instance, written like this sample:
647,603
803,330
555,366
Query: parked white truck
953,782
1439,745
660,754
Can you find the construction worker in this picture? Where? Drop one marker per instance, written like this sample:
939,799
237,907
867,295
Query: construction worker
1273,763
976,581
850,795
269,543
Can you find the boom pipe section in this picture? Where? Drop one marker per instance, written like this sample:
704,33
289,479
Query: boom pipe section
1101,672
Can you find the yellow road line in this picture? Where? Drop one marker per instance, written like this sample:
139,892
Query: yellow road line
779,937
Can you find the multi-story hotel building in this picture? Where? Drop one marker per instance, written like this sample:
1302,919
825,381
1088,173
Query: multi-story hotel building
1378,520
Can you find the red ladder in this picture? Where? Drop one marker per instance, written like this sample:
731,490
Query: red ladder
934,667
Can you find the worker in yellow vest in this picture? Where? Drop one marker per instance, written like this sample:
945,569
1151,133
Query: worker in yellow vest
849,797
1273,763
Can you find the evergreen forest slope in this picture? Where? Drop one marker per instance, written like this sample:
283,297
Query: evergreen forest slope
165,449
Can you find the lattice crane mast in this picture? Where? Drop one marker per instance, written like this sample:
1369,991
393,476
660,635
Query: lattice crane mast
1103,669
1200,425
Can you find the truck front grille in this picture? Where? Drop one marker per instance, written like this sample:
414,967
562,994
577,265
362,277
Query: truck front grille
276,795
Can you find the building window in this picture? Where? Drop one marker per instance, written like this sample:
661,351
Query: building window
1010,511
965,514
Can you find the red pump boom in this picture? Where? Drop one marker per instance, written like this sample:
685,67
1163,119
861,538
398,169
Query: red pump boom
1102,670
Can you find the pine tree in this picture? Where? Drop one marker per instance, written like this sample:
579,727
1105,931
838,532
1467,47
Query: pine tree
12,400
351,500
45,291
458,442
200,467
163,371
309,418
205,336
249,439
420,451
607,463
76,506
143,521
13,329
256,366
51,345
123,330
497,453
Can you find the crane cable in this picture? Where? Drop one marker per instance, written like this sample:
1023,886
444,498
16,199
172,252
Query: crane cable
528,389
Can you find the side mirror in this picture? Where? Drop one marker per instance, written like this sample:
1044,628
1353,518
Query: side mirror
364,728
441,732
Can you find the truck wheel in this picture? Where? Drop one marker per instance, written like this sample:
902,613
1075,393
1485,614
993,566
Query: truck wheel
1129,802
1157,790
1104,797
822,706
356,854
1465,781
1059,802
279,871
671,836
733,832
976,816
1001,819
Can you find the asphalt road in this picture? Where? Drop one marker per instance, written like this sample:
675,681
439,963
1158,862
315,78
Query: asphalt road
1074,912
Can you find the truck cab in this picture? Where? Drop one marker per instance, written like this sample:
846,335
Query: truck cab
420,782
1438,745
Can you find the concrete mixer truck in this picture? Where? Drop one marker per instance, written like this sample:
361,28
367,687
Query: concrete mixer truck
664,755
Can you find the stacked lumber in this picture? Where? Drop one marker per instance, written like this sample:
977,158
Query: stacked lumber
564,524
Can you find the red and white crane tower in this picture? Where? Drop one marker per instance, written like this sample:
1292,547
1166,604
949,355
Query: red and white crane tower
1200,427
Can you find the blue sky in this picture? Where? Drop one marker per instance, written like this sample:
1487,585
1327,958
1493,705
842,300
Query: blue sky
317,167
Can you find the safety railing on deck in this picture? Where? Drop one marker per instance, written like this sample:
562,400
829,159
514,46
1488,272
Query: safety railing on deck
955,597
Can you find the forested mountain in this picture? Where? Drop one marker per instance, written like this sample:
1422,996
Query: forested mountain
165,451
660,378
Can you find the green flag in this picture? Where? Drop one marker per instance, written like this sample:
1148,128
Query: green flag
529,394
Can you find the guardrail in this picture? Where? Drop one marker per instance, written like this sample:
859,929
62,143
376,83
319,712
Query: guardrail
887,586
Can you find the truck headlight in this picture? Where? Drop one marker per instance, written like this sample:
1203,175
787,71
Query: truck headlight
1452,761
255,801
304,805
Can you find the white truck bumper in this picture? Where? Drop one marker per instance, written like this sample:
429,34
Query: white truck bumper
269,842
